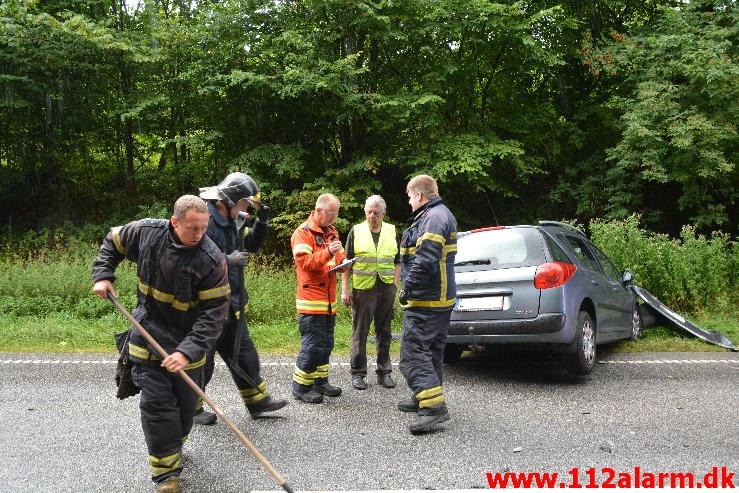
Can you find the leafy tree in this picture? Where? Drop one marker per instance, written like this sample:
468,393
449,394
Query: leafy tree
357,97
583,97
679,123
58,77
522,110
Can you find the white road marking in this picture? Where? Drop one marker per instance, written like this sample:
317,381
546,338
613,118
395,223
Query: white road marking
667,361
346,364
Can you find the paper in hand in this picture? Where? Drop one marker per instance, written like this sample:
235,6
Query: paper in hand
346,263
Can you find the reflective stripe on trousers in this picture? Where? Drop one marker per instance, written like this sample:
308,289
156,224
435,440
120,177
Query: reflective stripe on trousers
167,405
316,345
247,358
422,353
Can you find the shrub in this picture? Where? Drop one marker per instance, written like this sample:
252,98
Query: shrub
688,273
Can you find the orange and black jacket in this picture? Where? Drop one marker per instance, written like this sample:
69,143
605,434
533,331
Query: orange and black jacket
316,287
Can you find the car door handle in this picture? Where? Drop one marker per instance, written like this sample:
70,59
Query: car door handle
594,283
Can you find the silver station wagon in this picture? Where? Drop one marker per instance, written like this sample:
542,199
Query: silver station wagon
544,284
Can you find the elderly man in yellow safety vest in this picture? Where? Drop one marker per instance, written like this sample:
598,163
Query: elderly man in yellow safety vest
369,288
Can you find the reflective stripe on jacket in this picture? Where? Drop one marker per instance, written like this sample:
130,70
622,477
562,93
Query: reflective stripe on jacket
316,287
372,260
427,253
183,292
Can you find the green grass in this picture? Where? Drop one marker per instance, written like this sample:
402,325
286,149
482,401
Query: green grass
47,305
673,339
65,333
59,333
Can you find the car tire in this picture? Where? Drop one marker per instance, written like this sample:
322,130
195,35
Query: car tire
582,360
636,324
453,353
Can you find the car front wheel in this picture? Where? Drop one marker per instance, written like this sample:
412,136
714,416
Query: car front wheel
582,360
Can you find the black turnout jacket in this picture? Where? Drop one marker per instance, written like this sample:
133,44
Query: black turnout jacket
427,252
183,292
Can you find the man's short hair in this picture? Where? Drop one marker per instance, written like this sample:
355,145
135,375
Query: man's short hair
325,199
376,199
425,185
187,202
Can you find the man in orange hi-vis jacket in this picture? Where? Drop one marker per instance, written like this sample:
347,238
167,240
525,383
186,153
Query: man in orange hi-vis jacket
316,249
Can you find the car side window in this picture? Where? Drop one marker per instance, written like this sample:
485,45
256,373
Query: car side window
608,267
558,254
583,253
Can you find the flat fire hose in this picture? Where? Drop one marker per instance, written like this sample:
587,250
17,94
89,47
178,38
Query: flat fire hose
190,382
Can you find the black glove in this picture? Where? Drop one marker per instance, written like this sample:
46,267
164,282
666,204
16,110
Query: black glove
264,213
403,297
237,258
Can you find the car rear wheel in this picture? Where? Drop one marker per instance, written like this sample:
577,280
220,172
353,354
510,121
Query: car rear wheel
636,325
453,353
582,361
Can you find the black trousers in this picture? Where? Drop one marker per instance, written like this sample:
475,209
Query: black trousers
375,304
316,345
422,355
167,405
246,356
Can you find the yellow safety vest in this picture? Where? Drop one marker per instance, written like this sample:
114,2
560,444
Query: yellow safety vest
372,260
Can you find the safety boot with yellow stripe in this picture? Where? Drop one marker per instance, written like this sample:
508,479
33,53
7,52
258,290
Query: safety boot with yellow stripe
307,394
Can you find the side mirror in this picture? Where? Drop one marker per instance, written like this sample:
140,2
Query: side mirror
627,278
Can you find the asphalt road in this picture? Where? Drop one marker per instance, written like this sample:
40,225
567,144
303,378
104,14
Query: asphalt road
63,430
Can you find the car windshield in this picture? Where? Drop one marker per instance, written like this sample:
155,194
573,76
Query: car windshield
501,248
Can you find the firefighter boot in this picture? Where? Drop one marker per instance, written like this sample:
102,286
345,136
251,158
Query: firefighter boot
408,405
266,405
322,386
307,394
429,418
169,485
203,417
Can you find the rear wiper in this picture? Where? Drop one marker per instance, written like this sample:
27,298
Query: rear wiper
482,261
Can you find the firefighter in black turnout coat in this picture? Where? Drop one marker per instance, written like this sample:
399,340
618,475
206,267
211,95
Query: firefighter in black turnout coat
427,252
230,203
182,300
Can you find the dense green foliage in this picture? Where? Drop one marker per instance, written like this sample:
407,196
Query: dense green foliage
46,302
692,273
522,110
679,121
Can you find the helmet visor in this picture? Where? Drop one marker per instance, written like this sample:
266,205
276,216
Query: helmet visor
248,205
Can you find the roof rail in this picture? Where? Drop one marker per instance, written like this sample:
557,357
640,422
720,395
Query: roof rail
564,225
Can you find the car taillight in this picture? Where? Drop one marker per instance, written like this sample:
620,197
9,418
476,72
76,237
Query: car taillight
553,274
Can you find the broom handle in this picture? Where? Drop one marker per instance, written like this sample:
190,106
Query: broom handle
196,388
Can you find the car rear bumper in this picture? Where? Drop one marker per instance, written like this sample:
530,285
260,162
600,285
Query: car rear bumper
544,328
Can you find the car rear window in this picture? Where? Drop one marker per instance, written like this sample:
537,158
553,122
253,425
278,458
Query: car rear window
501,248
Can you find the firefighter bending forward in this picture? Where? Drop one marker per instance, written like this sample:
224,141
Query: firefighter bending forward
183,298
316,249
